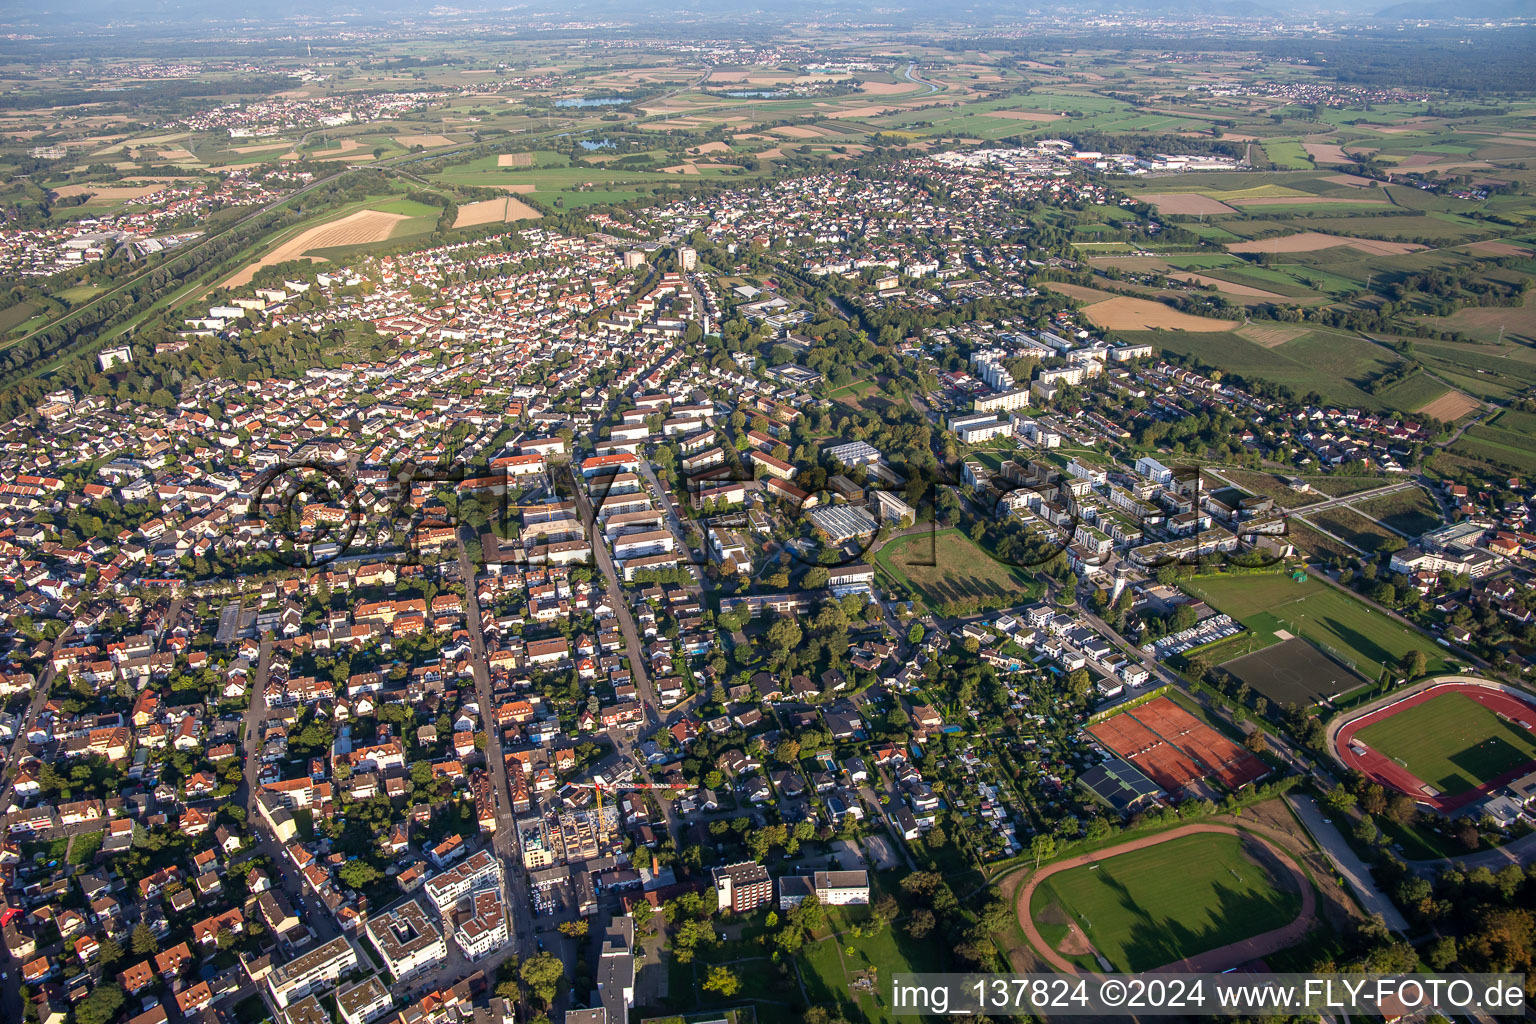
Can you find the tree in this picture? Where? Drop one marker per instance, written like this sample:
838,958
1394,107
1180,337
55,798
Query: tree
915,634
1415,664
885,908
109,952
144,942
358,874
642,912
722,980
101,1005
784,635
1042,847
816,577
543,975
920,923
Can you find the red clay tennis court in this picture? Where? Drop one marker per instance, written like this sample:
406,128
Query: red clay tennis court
1378,766
1163,763
1174,748
1233,766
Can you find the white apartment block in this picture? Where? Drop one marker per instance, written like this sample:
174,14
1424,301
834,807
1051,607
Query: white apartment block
363,1002
478,871
407,939
312,972
483,927
842,888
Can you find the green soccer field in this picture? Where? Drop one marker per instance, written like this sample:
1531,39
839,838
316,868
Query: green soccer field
1451,742
1329,617
1186,896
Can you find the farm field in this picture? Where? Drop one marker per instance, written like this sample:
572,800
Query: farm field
1451,742
1121,313
953,568
494,211
1488,323
1351,526
1158,905
1323,361
362,226
1312,241
1350,629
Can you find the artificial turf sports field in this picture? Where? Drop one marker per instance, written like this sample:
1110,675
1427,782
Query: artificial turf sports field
1353,630
1293,672
1451,742
1157,905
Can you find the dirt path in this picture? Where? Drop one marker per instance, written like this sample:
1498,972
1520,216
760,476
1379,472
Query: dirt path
1211,961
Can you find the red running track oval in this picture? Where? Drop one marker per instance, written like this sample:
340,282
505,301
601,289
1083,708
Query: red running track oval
1388,772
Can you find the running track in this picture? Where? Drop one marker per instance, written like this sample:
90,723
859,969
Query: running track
1212,961
1383,769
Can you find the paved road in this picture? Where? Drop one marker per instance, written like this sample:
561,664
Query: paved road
255,715
625,740
39,698
1521,852
1354,870
504,840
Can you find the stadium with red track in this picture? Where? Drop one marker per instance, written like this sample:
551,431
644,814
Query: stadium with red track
1346,747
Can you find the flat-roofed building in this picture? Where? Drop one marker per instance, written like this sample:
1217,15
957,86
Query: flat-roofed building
842,888
793,890
407,939
853,453
363,1002
483,927
616,969
743,887
311,972
477,871
304,1011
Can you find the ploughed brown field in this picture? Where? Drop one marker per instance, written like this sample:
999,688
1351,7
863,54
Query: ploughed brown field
1451,406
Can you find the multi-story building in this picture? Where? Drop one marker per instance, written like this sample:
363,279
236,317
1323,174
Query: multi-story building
616,968
407,939
302,1011
363,1002
842,888
477,871
314,971
483,927
743,887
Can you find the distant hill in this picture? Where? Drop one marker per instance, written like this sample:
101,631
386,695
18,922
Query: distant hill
1433,10
1230,8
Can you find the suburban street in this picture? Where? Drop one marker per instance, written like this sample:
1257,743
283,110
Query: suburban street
626,740
504,838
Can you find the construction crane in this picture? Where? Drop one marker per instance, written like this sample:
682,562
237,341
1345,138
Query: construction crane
626,787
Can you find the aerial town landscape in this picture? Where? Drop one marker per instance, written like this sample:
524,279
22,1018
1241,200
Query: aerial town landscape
682,515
